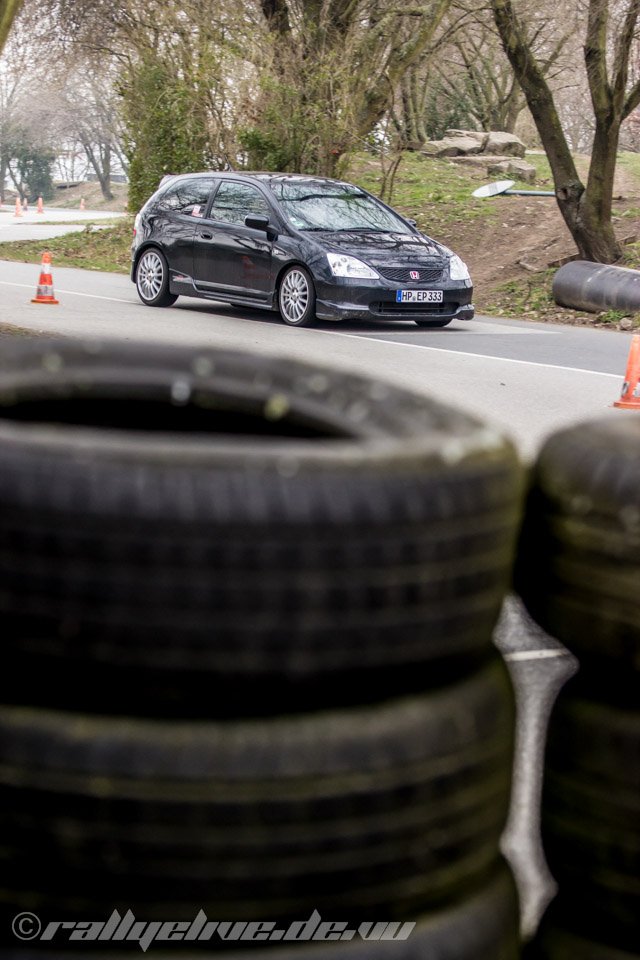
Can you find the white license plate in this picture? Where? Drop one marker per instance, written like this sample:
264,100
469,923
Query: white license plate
418,296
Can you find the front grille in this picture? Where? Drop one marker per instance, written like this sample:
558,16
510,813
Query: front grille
398,309
401,274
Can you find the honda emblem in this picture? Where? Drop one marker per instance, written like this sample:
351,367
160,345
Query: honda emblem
414,274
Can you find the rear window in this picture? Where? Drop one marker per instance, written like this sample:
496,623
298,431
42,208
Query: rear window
187,196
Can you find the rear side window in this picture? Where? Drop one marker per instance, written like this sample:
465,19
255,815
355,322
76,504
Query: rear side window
235,201
187,196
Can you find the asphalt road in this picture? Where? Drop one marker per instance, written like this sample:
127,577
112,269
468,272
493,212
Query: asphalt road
528,379
52,222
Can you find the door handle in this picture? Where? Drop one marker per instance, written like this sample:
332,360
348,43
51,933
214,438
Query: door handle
207,236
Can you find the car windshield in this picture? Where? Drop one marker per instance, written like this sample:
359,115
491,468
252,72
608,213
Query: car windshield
318,205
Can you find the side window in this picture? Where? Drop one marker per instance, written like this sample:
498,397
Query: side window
187,196
235,201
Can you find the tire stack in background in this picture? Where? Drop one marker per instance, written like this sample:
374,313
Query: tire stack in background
247,609
579,575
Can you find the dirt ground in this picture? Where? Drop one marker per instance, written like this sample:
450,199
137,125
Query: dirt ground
514,250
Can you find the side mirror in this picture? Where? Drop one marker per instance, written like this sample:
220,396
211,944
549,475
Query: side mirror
260,223
414,223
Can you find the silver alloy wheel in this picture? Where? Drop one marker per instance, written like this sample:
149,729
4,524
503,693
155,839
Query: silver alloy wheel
150,275
294,296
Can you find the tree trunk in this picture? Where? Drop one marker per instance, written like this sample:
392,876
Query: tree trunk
101,167
587,212
9,10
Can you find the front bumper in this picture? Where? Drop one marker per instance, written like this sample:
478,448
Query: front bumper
376,300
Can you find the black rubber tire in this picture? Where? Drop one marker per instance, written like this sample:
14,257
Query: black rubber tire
552,942
432,324
591,818
397,806
484,926
578,567
210,533
163,297
306,289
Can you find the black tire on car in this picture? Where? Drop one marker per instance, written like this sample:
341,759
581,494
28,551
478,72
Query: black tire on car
199,533
297,297
390,810
152,279
578,566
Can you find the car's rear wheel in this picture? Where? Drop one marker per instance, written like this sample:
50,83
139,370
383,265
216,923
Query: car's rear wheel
432,323
152,279
297,298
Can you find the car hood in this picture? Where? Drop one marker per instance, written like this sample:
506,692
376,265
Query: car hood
386,249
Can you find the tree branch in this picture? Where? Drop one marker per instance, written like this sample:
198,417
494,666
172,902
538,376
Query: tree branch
595,57
622,52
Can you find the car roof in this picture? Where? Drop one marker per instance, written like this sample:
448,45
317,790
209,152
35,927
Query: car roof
264,176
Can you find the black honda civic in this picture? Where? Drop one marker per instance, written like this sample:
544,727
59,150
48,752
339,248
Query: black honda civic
308,247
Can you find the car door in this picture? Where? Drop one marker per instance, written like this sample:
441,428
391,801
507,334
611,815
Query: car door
174,217
229,257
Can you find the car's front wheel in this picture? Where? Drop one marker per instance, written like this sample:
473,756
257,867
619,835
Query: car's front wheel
297,298
152,280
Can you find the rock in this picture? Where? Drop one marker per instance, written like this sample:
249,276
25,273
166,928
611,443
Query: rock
479,160
478,135
498,166
526,265
456,143
504,144
627,323
452,147
522,170
448,148
438,148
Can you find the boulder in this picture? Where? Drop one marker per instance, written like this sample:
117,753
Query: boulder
478,135
452,147
438,148
499,167
504,144
522,170
479,160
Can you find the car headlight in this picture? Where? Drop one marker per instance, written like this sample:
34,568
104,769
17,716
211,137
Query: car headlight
343,266
458,269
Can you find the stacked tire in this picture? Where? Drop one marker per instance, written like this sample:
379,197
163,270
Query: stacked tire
246,610
579,574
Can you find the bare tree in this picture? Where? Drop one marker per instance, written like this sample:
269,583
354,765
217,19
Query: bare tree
609,35
89,116
25,121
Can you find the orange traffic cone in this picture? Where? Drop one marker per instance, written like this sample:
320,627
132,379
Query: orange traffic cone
44,293
630,396
82,204
40,205
18,212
